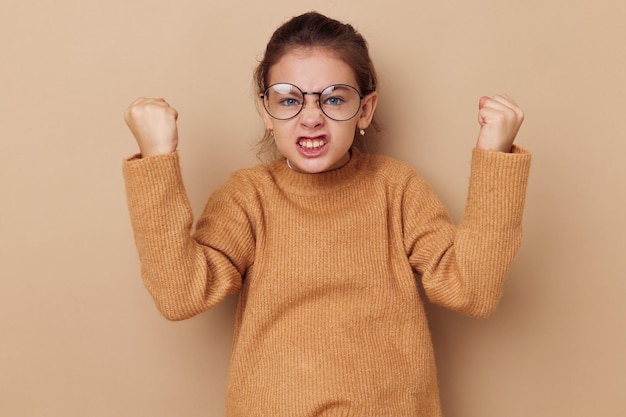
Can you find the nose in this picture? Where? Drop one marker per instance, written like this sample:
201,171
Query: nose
311,113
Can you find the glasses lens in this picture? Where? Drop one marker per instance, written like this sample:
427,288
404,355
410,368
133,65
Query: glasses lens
340,102
283,101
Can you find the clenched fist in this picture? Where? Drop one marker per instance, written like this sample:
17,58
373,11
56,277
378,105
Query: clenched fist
500,119
153,123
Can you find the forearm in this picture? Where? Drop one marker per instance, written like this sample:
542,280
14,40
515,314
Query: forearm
469,275
174,266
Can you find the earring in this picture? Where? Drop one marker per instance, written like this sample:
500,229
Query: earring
362,132
271,132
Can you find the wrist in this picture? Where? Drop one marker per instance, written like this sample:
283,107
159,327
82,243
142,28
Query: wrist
494,146
155,151
503,149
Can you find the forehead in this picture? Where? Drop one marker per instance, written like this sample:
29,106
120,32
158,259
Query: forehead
311,69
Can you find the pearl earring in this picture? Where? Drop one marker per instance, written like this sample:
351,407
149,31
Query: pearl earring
362,132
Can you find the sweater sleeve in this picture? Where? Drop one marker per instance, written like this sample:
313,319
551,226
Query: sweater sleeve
463,268
184,274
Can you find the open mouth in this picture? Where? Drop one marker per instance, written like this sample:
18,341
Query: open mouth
311,143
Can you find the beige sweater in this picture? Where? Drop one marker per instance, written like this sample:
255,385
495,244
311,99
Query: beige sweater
330,320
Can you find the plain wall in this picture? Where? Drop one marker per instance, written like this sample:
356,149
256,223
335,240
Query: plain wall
80,335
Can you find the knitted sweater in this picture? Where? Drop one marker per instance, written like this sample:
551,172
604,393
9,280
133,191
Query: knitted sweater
330,321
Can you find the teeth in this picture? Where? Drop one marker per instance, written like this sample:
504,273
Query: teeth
311,143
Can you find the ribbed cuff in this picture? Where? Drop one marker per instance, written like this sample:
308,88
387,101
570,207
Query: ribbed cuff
497,189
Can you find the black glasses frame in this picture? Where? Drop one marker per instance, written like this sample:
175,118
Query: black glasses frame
315,93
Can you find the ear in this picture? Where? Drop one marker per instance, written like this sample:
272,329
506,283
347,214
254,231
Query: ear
267,120
368,107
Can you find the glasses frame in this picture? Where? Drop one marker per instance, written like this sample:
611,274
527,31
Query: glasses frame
314,93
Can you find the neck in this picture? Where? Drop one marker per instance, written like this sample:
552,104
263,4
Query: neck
332,169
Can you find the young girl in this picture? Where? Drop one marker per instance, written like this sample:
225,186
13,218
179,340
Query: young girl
322,244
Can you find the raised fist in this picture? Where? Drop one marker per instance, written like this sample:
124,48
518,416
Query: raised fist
153,123
500,119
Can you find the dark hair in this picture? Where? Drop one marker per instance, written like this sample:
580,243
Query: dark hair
314,30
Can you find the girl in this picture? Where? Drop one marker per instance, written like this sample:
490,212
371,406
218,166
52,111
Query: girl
322,243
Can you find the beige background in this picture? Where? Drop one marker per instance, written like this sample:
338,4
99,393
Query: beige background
80,335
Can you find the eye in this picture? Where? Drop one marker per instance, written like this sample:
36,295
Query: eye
334,101
290,101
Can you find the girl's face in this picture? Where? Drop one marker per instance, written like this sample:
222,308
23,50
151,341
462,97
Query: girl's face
311,141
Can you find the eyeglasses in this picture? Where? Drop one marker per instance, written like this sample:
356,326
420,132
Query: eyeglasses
339,102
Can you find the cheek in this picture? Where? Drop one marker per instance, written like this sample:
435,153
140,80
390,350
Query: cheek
349,127
288,125
283,132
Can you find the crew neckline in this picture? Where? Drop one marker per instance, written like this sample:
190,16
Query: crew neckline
314,184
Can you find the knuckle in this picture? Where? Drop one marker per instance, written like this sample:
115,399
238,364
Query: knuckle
131,112
511,113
